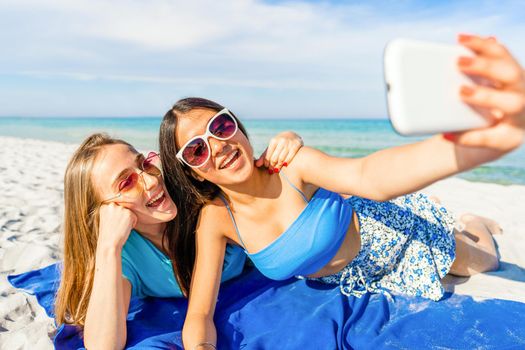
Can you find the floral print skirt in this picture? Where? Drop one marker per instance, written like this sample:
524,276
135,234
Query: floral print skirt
407,246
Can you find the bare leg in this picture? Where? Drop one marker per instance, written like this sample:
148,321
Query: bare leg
473,256
493,227
475,248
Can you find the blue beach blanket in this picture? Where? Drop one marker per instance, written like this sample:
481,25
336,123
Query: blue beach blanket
254,312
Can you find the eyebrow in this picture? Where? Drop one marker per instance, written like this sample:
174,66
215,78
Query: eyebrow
120,175
200,134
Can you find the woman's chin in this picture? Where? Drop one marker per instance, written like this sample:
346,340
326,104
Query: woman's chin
240,173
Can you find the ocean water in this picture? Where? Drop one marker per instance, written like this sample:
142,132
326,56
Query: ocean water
338,137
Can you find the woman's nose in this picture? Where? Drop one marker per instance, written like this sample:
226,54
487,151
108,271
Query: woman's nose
216,145
149,181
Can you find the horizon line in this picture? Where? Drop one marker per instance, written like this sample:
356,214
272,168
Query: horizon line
160,117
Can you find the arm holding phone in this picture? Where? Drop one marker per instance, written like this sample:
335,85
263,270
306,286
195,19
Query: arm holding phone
502,100
412,167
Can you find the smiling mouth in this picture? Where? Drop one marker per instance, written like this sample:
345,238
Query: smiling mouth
157,200
230,159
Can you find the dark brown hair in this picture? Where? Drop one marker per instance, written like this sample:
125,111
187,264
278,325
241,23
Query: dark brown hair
180,183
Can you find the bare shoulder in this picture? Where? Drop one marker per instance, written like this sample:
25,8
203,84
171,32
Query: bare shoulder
214,219
215,209
306,160
305,157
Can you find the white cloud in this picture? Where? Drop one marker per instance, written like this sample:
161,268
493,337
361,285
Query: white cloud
295,47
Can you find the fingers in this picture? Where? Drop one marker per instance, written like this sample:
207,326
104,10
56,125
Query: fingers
273,160
291,153
271,157
493,61
281,156
280,151
270,151
278,156
498,101
498,70
288,151
484,46
115,224
500,137
260,161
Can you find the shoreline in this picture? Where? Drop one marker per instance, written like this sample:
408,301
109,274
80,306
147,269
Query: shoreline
31,217
76,144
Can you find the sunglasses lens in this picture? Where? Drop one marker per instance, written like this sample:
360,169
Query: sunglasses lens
152,164
223,126
128,186
196,153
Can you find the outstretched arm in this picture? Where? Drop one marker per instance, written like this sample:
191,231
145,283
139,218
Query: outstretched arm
392,172
400,170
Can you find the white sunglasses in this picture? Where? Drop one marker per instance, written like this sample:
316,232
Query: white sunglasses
196,152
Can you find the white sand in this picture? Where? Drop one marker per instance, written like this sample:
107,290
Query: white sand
31,175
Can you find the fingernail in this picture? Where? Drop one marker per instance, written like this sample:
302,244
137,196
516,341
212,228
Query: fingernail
465,61
492,38
270,171
467,91
275,170
449,136
463,38
285,164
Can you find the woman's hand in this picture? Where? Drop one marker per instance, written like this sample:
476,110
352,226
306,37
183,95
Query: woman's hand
502,99
116,223
280,152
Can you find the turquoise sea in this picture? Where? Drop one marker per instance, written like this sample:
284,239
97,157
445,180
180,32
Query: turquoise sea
339,137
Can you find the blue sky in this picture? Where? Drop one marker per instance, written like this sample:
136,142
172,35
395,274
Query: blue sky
271,59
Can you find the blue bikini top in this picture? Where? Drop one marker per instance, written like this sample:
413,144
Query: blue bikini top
310,242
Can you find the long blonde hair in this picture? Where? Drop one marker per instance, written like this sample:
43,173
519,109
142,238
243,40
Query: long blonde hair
81,219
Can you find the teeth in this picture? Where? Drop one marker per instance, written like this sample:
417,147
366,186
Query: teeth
157,197
227,160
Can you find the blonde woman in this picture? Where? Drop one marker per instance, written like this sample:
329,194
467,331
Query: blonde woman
119,222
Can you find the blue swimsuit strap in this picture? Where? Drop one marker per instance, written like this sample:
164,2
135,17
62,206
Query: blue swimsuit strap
233,218
283,175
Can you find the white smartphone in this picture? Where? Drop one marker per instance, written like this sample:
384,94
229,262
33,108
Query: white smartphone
422,86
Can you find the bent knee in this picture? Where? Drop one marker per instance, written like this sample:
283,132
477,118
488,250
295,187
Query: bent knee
473,260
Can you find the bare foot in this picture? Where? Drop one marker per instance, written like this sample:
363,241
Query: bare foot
435,199
491,225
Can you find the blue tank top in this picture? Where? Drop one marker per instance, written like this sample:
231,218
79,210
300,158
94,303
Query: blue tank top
310,242
150,271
